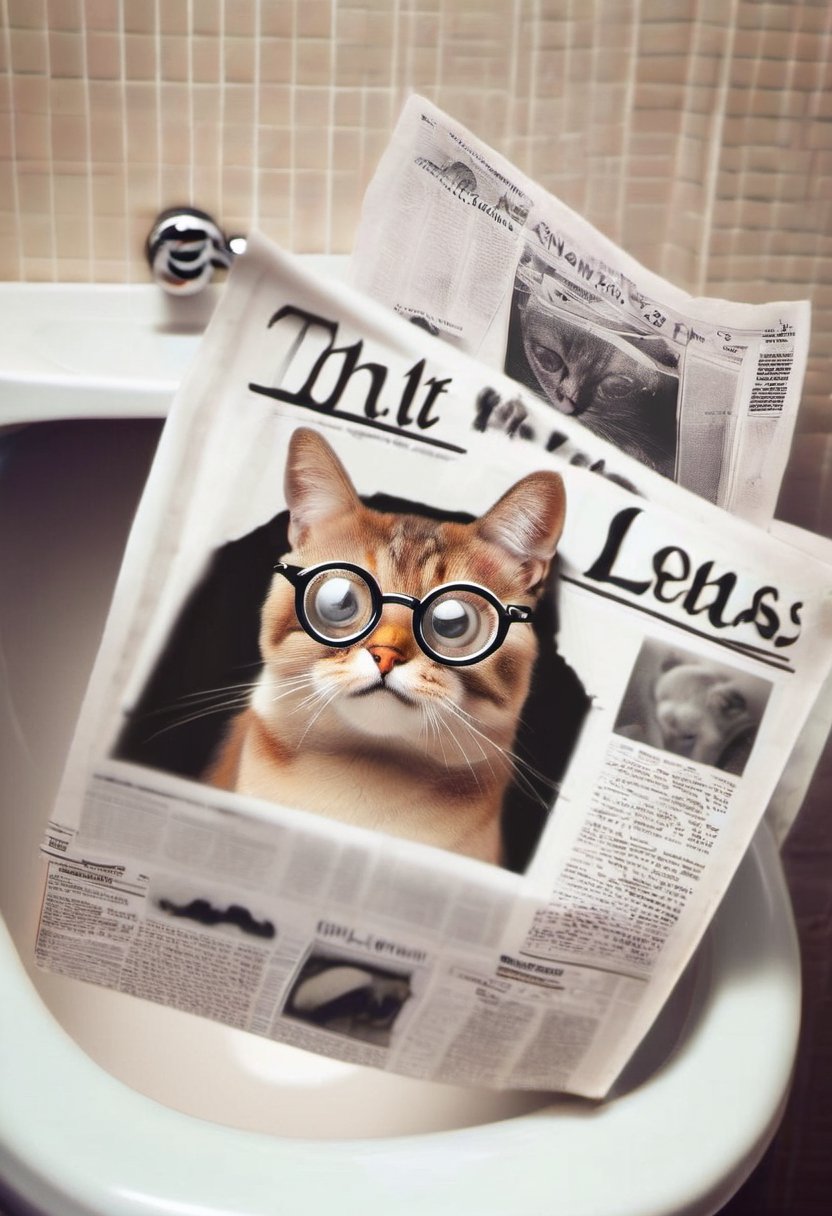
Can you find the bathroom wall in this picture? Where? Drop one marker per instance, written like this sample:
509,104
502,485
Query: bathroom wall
696,132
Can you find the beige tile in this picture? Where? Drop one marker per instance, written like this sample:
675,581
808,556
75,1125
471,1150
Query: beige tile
277,19
276,60
107,139
275,104
206,17
175,185
31,133
274,147
238,59
72,237
67,97
36,235
27,14
274,190
238,145
314,61
142,139
239,101
312,107
101,14
314,19
66,54
312,149
175,140
35,192
30,95
107,191
240,17
38,269
69,136
103,55
140,57
173,16
140,15
175,60
206,58
106,270
29,51
206,102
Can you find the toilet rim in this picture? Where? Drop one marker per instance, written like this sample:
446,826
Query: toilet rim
675,1143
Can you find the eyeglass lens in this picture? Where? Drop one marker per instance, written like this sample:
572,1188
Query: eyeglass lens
338,604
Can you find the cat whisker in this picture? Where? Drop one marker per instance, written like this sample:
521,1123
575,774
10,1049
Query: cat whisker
431,717
326,701
462,750
206,694
521,771
226,707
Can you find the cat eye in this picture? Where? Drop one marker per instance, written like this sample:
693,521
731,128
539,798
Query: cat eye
339,604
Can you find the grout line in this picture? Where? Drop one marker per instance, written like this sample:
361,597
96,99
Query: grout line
395,57
88,135
189,82
712,167
221,117
534,71
672,212
254,206
293,84
330,152
157,39
125,191
629,115
53,225
510,144
15,164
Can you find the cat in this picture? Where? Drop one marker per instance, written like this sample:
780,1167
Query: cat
619,389
378,733
695,709
700,712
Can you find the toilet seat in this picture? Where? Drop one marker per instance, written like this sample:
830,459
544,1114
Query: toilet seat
76,1141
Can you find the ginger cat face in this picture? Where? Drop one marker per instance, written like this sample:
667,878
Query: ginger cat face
377,732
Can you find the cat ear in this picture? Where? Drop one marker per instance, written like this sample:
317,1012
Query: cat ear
527,523
316,484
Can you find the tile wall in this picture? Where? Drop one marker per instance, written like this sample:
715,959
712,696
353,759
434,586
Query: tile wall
696,132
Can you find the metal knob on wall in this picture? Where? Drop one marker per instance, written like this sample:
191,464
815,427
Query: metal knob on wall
184,248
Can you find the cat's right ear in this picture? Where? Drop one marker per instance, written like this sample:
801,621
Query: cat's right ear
316,485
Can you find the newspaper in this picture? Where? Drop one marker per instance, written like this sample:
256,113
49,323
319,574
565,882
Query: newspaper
454,237
408,742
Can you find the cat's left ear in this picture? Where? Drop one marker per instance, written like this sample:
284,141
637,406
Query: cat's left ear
527,523
316,485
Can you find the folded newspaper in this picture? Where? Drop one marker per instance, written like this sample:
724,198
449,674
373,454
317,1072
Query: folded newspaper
704,391
408,742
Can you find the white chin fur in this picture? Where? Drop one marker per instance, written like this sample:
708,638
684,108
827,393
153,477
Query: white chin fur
379,713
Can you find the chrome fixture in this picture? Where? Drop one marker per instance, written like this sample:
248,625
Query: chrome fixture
184,248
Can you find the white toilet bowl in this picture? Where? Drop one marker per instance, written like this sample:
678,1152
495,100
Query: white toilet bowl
113,1106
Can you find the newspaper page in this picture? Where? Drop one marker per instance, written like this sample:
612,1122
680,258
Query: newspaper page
410,742
454,237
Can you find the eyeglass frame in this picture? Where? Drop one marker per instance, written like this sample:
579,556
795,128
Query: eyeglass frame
507,614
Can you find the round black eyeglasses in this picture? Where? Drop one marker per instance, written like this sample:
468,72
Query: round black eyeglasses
338,604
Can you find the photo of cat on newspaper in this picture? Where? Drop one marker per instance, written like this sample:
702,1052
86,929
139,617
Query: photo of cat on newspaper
394,669
621,383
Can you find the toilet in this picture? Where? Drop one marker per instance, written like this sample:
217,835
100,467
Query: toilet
116,1107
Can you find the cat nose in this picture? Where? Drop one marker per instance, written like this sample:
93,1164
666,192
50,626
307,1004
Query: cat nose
386,657
389,646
